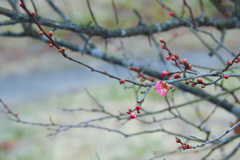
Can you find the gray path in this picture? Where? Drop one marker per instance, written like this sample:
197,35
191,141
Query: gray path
19,87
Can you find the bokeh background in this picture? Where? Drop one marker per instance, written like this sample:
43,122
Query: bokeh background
37,83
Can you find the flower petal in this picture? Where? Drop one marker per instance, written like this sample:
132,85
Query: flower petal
158,86
163,92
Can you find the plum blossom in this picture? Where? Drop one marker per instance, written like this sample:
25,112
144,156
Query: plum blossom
162,88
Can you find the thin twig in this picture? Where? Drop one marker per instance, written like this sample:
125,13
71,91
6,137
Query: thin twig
58,10
91,12
216,139
115,12
203,13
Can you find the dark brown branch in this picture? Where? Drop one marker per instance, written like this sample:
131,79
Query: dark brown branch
133,31
225,10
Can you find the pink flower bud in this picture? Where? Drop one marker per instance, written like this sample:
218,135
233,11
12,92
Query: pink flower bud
229,62
226,76
167,57
33,13
50,33
199,80
164,73
173,58
183,146
189,66
122,81
171,13
184,61
163,46
193,84
138,107
176,55
162,40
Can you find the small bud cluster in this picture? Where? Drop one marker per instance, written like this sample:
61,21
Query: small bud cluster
175,75
199,81
133,68
131,113
184,145
230,63
42,32
9,111
141,75
62,49
193,83
175,57
52,40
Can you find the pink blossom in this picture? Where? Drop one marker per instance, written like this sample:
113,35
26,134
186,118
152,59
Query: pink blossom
133,115
162,88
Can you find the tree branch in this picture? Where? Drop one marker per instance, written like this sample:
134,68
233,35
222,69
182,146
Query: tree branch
128,32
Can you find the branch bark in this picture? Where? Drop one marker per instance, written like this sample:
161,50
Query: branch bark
128,32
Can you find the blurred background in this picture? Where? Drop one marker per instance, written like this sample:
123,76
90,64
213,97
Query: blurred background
37,83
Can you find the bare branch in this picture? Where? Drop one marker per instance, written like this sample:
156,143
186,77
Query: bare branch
64,16
133,31
91,12
216,139
191,13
